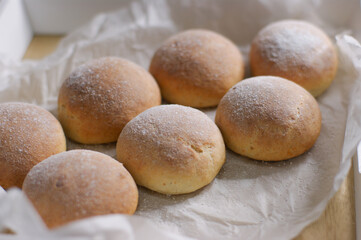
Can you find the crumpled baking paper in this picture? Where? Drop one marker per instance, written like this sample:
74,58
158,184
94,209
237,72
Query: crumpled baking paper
248,199
18,215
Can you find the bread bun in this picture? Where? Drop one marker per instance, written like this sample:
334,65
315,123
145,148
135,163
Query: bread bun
100,97
269,118
295,50
196,68
28,135
171,149
78,184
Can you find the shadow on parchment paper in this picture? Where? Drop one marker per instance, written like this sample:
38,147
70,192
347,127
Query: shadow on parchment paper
236,167
150,200
240,167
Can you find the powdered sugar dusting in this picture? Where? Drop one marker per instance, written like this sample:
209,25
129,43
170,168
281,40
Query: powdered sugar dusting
198,57
28,134
168,127
269,118
290,44
79,164
109,91
171,149
81,180
264,98
89,83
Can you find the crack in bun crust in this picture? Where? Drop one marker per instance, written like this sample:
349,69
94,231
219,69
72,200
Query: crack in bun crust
172,149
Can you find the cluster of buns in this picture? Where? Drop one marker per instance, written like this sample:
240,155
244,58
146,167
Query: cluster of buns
171,149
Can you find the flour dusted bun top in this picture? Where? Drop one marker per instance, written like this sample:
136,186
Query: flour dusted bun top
101,96
28,135
78,184
196,68
172,149
269,118
297,51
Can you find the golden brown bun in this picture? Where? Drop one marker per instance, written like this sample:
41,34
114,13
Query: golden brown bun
269,118
295,50
78,184
28,135
196,68
100,97
171,149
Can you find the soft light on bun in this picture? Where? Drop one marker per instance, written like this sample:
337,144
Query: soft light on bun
28,135
196,68
79,184
171,149
269,118
295,50
101,96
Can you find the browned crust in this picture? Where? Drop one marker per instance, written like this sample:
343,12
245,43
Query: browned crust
100,97
79,184
269,118
196,68
282,49
171,149
28,135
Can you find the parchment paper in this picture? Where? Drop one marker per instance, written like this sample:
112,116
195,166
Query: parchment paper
248,199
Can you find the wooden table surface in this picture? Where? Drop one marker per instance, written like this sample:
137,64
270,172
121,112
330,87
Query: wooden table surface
336,222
